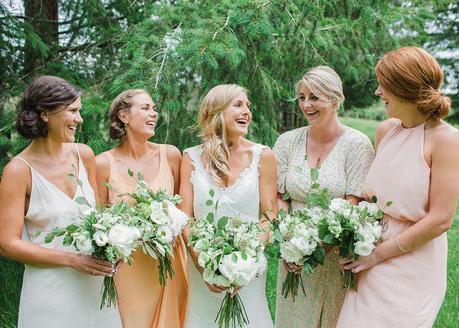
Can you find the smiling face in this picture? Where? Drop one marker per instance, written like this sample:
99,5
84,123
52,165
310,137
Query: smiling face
317,108
63,122
141,117
237,116
391,103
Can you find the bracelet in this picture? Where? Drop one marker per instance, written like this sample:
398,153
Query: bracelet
400,246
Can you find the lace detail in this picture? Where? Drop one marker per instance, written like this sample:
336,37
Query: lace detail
241,198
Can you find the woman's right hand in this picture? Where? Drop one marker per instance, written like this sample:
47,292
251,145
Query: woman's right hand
92,266
292,267
215,288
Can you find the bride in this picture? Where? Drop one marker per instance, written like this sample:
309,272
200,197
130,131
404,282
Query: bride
243,177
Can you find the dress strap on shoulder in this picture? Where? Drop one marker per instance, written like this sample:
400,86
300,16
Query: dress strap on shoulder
195,155
78,152
22,159
257,150
163,155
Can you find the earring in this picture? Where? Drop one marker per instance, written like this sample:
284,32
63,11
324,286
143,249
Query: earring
44,118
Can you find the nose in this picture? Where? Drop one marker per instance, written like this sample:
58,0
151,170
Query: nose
378,91
153,113
78,118
305,103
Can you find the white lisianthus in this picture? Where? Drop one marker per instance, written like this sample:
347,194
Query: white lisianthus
283,227
157,213
237,270
290,253
164,234
341,206
83,243
363,248
101,238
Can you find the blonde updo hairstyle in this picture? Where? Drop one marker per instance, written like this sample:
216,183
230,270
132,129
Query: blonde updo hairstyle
123,101
215,146
323,80
413,75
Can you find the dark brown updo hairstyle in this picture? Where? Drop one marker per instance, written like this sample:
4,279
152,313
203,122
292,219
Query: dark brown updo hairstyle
412,74
45,93
122,102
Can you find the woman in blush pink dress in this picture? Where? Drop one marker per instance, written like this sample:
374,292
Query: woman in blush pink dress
403,282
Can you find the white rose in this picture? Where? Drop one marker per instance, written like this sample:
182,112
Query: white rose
83,243
179,218
165,234
157,213
341,206
101,238
362,248
290,253
123,238
304,245
237,270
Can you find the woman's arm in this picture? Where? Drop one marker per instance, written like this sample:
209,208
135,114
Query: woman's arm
103,174
174,159
14,188
268,190
444,191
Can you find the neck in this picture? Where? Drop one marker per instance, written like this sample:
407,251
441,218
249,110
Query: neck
134,147
48,146
411,116
327,132
234,141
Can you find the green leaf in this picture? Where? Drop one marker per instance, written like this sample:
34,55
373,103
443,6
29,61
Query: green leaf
130,173
108,186
82,201
374,199
329,238
314,174
222,222
315,186
211,193
389,203
244,256
210,217
286,196
234,257
49,237
209,202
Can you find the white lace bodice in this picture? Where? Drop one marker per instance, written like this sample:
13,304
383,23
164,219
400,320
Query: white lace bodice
241,198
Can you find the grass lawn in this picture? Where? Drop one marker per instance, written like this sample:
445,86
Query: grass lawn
11,272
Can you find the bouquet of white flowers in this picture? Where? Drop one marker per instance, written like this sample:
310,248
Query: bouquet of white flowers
109,234
355,229
231,252
160,222
297,236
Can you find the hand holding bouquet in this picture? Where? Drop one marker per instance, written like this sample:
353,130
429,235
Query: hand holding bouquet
231,252
355,229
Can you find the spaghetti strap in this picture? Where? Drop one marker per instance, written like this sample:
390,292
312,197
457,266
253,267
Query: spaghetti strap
163,157
24,161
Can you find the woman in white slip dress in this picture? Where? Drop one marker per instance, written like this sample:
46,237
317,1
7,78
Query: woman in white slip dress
242,174
60,287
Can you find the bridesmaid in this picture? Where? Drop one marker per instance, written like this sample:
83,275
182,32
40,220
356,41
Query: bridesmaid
403,282
143,302
243,177
343,156
60,287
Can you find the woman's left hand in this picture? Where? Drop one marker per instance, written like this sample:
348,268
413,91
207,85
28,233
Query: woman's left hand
363,263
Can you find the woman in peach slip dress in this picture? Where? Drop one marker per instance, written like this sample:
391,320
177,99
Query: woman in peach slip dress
403,282
143,301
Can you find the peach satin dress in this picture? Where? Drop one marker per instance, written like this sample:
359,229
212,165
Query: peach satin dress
407,290
143,302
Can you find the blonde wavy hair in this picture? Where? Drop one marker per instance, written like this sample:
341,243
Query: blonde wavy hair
215,148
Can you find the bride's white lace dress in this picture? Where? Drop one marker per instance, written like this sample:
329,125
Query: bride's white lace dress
243,198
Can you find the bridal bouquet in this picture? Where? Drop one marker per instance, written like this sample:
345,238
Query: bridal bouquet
231,252
160,222
355,229
297,235
109,234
